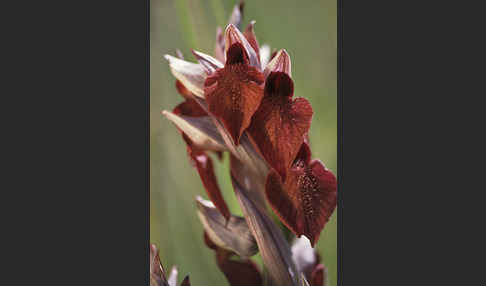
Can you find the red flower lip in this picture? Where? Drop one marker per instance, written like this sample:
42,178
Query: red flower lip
280,123
233,93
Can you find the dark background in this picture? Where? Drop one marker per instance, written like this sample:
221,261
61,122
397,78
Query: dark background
75,110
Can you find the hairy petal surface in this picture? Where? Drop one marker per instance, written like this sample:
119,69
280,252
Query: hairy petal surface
306,200
234,92
280,123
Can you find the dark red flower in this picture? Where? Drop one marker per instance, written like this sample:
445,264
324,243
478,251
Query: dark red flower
280,123
233,93
306,199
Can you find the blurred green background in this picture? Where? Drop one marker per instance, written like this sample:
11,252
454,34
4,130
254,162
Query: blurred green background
307,30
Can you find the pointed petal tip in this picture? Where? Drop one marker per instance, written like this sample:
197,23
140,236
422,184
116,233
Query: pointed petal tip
280,62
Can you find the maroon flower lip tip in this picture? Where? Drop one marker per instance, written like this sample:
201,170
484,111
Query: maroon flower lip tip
279,84
236,55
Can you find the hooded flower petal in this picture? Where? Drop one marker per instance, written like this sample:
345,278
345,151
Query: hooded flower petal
232,234
307,198
191,75
209,63
280,63
280,123
273,247
234,92
233,35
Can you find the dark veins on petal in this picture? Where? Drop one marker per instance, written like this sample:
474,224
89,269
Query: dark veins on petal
280,123
234,92
306,199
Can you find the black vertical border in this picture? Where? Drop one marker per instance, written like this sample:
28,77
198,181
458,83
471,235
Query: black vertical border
147,138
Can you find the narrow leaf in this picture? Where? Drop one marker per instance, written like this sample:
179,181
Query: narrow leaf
273,247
